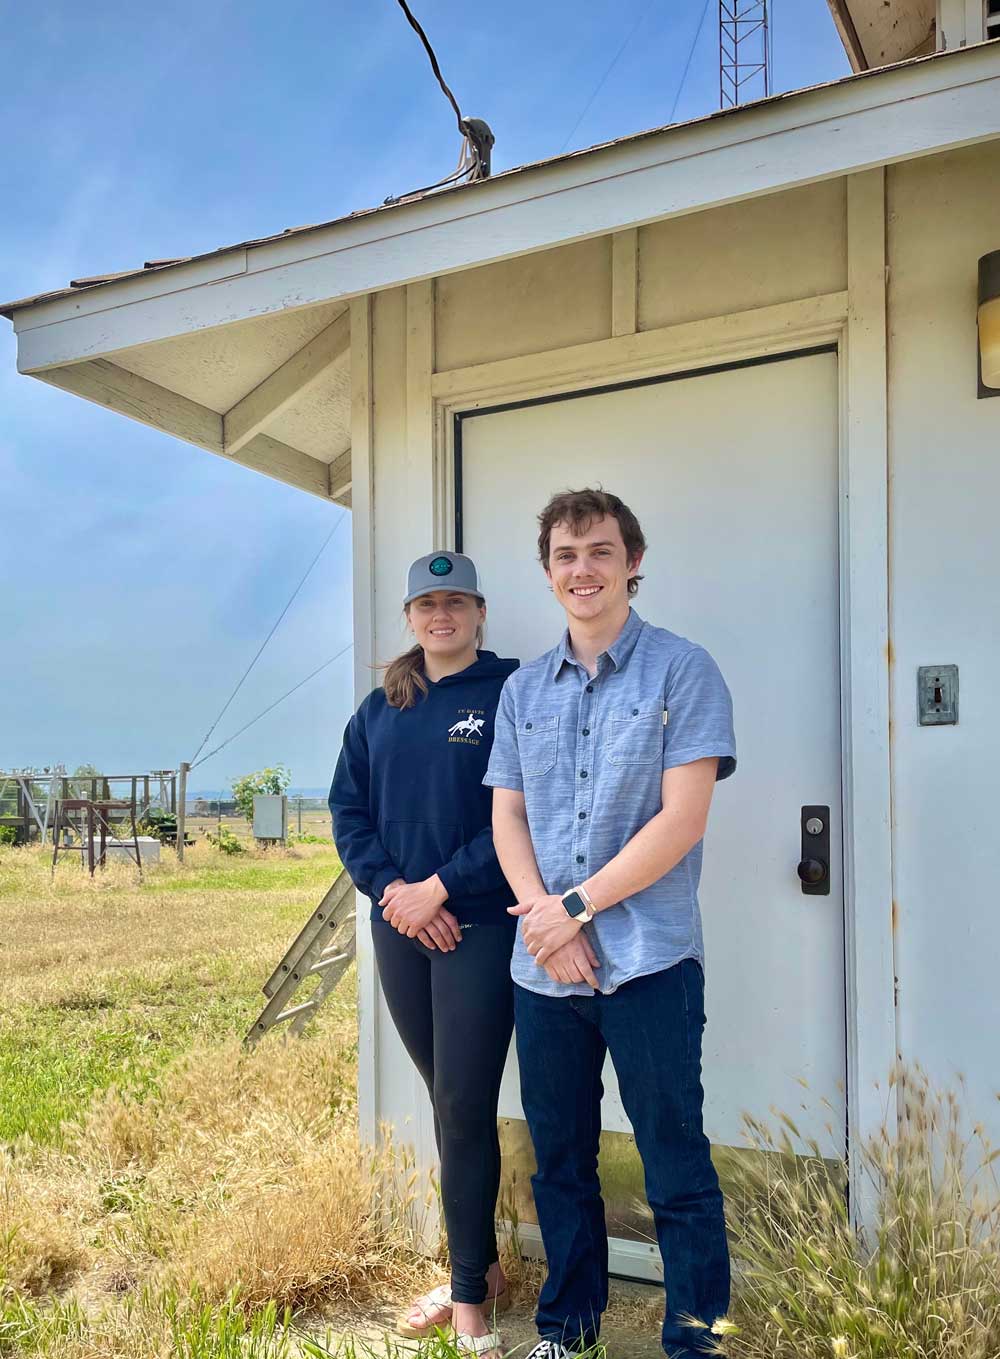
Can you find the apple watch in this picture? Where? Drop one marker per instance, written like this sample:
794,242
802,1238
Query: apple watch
579,905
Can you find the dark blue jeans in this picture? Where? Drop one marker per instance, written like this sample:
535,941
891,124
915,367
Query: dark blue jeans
652,1027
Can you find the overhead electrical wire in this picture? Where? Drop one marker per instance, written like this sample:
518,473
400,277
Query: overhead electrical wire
415,24
246,727
617,57
601,83
260,649
687,64
477,139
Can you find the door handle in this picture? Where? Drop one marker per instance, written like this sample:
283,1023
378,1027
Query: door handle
814,864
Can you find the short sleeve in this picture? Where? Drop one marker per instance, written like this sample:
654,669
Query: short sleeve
504,770
699,714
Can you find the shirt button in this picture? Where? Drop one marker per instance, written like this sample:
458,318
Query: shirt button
590,688
635,712
579,859
583,816
586,731
583,773
527,726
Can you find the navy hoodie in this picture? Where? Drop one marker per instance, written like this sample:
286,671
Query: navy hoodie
408,800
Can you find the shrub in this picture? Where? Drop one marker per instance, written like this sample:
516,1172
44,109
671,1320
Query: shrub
226,841
8,835
271,781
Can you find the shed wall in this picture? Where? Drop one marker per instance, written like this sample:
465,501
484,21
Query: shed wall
775,249
945,549
943,213
524,305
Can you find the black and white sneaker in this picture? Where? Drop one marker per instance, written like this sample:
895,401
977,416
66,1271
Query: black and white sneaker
551,1349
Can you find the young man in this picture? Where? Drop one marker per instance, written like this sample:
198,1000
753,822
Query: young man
606,753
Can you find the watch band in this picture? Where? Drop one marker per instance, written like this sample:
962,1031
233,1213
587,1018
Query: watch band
579,905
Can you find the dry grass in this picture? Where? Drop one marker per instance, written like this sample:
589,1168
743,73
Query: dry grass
173,1209
67,935
927,1286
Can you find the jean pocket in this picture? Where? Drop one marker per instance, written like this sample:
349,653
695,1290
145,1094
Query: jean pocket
537,746
634,736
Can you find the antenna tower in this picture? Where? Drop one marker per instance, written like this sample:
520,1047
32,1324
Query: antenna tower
744,51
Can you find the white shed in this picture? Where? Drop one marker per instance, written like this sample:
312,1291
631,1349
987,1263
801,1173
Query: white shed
759,328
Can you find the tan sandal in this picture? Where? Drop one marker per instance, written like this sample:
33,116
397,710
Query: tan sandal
438,1300
476,1346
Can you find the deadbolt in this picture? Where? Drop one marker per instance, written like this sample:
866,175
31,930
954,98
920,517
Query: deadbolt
814,862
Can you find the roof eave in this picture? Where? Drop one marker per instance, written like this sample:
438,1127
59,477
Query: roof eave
913,108
849,35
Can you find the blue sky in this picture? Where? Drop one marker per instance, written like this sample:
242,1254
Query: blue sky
139,574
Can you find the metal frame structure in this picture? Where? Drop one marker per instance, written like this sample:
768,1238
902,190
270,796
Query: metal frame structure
83,826
157,788
744,51
28,801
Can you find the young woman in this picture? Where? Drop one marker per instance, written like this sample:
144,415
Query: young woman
412,824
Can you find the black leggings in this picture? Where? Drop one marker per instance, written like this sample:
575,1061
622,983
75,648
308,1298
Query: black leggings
454,1013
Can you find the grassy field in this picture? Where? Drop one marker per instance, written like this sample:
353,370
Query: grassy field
156,1179
313,823
110,979
166,1195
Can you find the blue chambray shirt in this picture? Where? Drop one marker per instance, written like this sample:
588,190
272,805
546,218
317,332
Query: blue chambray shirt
589,755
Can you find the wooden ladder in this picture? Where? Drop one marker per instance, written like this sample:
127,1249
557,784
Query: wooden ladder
324,948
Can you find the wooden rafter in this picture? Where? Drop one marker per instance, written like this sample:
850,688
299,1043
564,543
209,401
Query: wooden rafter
109,385
285,385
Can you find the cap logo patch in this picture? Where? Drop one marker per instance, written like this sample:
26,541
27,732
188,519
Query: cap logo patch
441,566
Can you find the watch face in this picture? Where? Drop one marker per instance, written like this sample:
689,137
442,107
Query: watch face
575,904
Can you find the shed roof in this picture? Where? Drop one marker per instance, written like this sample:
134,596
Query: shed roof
246,350
395,205
878,32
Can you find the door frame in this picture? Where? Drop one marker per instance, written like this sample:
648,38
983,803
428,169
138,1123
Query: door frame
854,322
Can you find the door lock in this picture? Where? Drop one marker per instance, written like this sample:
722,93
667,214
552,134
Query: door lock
814,865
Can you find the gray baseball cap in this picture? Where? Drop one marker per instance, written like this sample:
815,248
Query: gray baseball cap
442,571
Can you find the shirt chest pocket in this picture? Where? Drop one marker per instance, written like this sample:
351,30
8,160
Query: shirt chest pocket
537,745
634,735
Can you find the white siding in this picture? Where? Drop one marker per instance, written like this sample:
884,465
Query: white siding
775,249
521,306
945,568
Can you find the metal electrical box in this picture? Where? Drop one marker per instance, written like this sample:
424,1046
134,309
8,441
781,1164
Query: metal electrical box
270,816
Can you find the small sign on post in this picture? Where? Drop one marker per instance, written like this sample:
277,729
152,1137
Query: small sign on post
270,817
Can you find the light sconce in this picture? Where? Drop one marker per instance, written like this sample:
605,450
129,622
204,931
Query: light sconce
989,324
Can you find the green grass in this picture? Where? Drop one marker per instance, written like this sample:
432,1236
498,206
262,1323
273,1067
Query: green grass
55,1058
254,876
121,1020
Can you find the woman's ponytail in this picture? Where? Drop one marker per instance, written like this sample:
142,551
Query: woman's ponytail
404,678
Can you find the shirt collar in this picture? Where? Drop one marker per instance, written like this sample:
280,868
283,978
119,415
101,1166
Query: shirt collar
617,653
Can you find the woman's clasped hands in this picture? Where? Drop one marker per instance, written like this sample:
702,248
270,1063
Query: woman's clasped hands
417,910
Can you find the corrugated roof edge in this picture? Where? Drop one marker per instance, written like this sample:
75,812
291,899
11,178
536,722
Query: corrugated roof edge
8,309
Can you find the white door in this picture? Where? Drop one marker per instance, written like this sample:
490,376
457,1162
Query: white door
734,477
